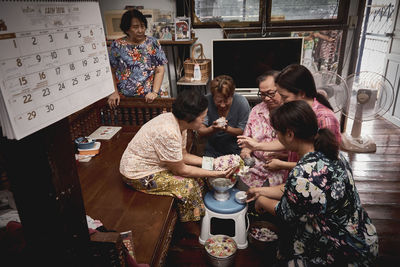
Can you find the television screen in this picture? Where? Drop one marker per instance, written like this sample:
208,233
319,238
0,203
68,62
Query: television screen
246,59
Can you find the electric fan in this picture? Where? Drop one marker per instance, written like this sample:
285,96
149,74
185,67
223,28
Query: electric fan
371,96
333,87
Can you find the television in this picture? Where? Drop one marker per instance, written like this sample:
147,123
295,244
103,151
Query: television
245,59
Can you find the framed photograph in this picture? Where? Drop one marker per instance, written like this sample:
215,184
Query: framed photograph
182,29
163,31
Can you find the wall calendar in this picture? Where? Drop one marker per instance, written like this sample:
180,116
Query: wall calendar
53,62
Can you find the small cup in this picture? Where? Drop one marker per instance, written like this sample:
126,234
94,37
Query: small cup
241,197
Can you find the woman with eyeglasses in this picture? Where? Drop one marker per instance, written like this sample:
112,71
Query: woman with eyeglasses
259,127
295,82
137,61
226,118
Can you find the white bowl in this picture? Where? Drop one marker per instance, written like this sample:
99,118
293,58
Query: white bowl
241,197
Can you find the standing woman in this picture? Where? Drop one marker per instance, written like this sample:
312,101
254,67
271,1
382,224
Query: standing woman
136,60
323,222
295,82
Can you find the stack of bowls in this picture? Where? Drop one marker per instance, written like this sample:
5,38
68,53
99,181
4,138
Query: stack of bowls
221,250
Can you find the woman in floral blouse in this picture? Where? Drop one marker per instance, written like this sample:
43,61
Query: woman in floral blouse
136,60
259,127
323,222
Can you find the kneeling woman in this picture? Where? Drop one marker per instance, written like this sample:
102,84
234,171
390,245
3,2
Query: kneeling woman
156,161
323,221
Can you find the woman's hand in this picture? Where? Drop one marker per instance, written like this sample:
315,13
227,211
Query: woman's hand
215,125
150,97
113,100
273,164
253,193
247,142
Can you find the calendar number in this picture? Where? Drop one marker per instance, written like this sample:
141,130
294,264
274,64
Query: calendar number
74,81
53,55
71,66
19,62
42,75
95,60
82,49
31,115
49,107
84,62
98,72
50,38
93,46
15,44
69,51
79,34
91,32
38,58
87,77
61,86
46,92
34,41
23,81
27,98
58,71
66,36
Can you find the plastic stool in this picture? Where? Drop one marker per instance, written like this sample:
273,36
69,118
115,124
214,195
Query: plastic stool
228,209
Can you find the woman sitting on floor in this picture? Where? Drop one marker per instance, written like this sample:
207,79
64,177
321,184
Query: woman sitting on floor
323,222
156,162
259,127
295,82
226,118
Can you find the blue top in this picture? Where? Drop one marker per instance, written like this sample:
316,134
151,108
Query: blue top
222,143
135,65
224,207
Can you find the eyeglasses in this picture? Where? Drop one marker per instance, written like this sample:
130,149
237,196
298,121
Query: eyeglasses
270,94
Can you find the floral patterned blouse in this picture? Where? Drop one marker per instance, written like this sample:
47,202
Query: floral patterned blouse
323,215
259,127
135,65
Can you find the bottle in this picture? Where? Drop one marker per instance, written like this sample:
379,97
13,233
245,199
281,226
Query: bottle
197,73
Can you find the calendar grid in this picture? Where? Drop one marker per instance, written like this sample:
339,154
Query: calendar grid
48,73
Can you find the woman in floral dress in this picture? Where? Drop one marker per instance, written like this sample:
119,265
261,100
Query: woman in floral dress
323,222
259,127
137,60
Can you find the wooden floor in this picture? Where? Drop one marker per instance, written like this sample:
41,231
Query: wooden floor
377,178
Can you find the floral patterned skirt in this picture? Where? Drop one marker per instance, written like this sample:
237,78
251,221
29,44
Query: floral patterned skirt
188,191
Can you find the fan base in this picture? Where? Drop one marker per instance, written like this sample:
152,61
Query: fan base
361,144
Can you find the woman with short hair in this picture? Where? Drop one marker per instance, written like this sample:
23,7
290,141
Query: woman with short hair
156,161
137,61
226,117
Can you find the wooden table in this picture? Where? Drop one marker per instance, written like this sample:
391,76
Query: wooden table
106,197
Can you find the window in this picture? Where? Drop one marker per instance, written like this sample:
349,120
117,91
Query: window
284,10
215,11
244,13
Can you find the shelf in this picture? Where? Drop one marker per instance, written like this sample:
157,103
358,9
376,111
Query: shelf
170,42
184,81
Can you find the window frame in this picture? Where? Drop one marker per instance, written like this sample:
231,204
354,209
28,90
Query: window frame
265,9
